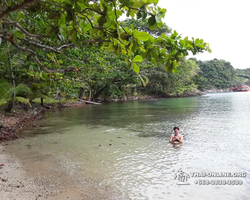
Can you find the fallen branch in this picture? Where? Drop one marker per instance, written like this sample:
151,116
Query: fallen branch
90,102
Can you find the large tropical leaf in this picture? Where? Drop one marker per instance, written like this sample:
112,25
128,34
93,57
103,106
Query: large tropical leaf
18,90
22,100
4,87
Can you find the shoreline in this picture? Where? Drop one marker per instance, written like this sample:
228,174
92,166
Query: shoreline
12,123
22,181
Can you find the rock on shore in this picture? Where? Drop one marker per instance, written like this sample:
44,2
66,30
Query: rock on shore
10,124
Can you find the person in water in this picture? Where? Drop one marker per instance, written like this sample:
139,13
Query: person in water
176,138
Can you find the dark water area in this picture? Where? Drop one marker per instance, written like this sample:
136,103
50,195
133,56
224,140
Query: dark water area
123,149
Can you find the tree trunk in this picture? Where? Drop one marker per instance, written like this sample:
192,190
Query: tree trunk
11,69
58,94
81,94
42,102
90,93
97,94
9,106
125,98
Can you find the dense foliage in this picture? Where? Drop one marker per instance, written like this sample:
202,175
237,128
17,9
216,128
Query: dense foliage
33,26
242,77
217,73
81,49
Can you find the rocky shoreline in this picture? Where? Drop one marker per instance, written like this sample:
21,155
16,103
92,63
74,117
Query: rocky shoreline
12,123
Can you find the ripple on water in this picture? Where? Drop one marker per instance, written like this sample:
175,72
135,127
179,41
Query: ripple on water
131,157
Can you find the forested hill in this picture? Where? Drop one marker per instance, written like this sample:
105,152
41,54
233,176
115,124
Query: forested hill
243,76
220,74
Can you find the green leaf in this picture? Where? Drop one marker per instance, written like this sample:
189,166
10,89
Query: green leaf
80,3
119,13
158,19
175,70
139,15
138,3
154,53
163,51
124,36
174,52
151,21
136,68
115,34
102,20
103,6
142,36
144,15
160,24
174,35
162,12
62,20
23,100
110,48
19,35
153,27
87,27
137,58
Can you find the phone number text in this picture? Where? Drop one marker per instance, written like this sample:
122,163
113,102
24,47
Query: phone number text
218,182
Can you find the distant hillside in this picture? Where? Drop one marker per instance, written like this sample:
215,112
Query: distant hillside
242,77
219,74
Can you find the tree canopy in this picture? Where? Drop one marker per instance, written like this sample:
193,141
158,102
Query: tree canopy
53,26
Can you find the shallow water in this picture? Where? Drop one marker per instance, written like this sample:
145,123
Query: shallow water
121,150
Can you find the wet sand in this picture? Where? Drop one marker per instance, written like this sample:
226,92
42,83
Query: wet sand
41,180
19,183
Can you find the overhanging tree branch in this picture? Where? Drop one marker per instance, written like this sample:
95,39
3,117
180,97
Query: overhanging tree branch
54,49
16,7
94,41
23,29
65,46
34,54
30,42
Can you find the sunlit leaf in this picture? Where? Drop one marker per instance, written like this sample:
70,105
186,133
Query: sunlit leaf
136,68
142,36
137,58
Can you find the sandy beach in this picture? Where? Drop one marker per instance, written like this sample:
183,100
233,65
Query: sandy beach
13,182
22,183
41,180
38,179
